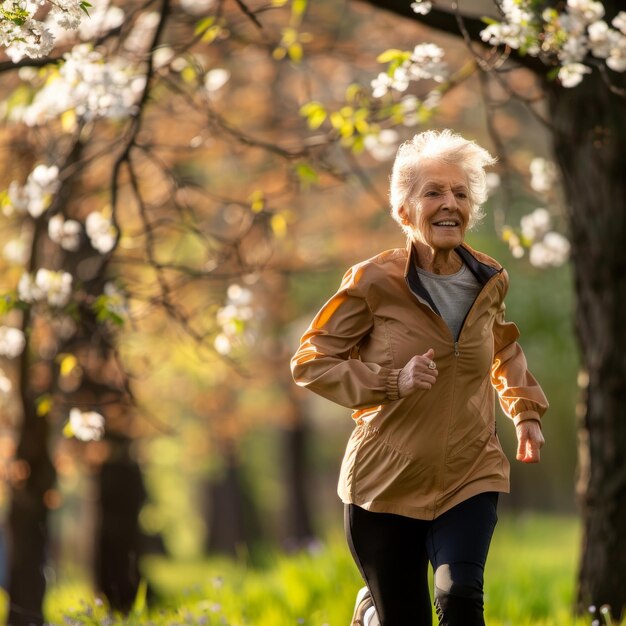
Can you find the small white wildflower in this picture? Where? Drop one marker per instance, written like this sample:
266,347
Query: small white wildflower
12,342
86,425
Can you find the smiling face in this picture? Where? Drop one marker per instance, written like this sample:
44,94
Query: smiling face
440,206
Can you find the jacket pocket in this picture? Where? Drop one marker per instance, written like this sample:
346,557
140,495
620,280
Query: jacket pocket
381,472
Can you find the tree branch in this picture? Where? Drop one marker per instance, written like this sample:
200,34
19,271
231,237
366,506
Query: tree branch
447,21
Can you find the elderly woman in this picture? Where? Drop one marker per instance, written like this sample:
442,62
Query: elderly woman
415,342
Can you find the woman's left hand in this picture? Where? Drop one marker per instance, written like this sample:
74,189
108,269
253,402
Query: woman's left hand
529,441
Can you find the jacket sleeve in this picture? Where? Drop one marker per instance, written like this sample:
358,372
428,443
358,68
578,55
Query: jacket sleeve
326,361
520,395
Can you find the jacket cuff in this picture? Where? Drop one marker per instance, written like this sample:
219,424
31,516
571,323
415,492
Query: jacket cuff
525,416
391,385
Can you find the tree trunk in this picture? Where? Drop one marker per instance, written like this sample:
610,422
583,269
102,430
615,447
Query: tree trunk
590,148
232,518
118,537
298,516
28,520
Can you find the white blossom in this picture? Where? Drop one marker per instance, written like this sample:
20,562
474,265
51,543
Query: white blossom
493,182
101,232
409,105
588,10
572,74
543,175
238,295
15,252
12,342
102,18
551,251
215,79
5,383
64,232
86,425
196,7
47,286
619,21
421,7
32,37
617,57
138,41
222,344
88,85
567,35
36,194
536,224
427,63
116,299
383,145
381,85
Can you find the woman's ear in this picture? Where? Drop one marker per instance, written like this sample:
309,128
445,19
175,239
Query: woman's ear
404,216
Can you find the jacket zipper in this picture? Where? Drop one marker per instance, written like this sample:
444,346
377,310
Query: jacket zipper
478,297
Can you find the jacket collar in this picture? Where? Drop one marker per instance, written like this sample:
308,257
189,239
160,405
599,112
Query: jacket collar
481,265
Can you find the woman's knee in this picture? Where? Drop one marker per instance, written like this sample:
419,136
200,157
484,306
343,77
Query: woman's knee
459,595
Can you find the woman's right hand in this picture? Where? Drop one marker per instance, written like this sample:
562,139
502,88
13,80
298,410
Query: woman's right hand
419,373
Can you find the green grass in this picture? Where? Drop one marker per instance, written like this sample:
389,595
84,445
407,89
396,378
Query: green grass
529,582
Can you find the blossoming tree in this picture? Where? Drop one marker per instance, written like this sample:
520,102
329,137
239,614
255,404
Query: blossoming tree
100,179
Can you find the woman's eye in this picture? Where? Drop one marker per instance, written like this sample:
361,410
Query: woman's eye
431,194
461,194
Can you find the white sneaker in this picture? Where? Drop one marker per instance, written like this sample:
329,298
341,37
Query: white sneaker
362,605
371,617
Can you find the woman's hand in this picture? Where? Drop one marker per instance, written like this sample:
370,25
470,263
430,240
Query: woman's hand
529,441
419,373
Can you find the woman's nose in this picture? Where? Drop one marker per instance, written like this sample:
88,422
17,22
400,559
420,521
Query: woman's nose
448,199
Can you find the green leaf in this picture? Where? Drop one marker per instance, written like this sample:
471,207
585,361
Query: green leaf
140,604
306,174
390,55
85,6
203,25
298,7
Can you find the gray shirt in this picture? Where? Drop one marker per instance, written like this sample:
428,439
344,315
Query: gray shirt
453,294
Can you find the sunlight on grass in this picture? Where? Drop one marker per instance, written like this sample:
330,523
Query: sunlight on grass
529,582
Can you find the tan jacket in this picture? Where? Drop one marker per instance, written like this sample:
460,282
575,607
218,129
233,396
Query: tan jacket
424,453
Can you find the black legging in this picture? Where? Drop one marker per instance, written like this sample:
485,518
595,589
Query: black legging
392,552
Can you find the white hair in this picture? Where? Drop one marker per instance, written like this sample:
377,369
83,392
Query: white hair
447,147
